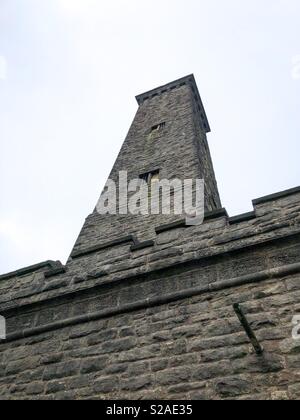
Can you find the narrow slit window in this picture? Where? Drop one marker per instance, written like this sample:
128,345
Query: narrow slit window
158,127
150,177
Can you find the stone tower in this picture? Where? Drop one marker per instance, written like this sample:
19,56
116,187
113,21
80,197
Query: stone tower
167,138
143,309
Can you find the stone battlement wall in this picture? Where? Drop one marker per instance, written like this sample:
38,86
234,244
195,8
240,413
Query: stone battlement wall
162,314
273,219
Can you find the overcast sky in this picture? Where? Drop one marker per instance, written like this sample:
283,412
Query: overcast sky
69,72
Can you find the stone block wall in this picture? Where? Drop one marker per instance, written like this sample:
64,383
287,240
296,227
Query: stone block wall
194,348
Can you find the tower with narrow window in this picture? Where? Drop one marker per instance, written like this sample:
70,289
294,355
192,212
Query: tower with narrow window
150,307
167,140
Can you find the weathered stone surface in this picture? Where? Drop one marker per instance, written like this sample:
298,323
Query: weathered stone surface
118,345
36,388
55,387
280,396
93,365
52,358
140,383
174,376
294,391
256,364
106,385
232,387
62,370
290,346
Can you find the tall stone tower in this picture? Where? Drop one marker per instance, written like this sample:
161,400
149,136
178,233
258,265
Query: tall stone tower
167,139
145,307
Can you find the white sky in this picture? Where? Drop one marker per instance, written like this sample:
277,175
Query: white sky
69,71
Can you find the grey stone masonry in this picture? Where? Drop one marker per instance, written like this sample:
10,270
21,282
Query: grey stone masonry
179,150
143,309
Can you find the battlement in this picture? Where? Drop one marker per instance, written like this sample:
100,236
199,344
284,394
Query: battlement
274,219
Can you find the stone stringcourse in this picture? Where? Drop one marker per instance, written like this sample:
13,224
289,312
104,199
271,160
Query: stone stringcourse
143,308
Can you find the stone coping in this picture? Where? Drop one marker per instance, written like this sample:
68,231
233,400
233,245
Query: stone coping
51,265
